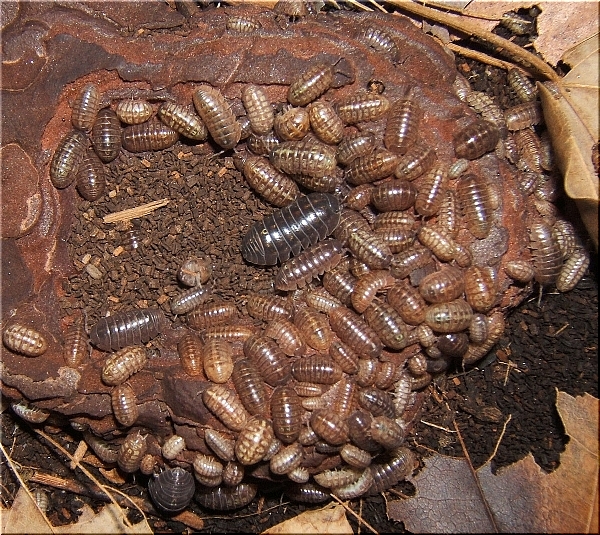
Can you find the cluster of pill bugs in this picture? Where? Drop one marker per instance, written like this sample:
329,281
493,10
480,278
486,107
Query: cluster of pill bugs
374,297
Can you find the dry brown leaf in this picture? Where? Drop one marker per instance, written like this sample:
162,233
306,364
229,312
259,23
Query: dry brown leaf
25,517
519,498
329,520
572,121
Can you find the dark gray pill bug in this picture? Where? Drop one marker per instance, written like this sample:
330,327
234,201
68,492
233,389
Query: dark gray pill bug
227,498
189,299
172,490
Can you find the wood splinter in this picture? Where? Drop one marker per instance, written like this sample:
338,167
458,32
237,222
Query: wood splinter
133,213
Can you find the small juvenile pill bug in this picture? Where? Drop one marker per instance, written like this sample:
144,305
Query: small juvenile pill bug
172,447
495,325
546,255
394,195
387,323
172,490
269,307
132,450
359,426
148,464
220,444
374,166
189,349
90,179
387,375
134,111
76,347
105,451
183,119
522,86
195,270
331,427
124,405
311,84
123,364
299,475
353,331
524,115
431,188
387,432
397,240
442,286
354,146
447,216
149,136
355,456
270,183
233,474
572,271
451,317
322,184
245,24
474,200
24,340
286,412
86,107
29,413
356,489
227,498
190,299
226,406
381,40
318,368
217,116
106,135
475,139
249,386
210,314
517,24
340,283
217,357
344,396
415,162
368,285
480,288
407,262
259,109
457,168
359,197
292,124
127,328
478,329
396,220
271,363
403,388
417,364
337,478
286,459
487,108
370,249
361,107
287,336
402,125
297,272
254,440
67,159
314,327
305,157
377,402
231,333
262,145
325,122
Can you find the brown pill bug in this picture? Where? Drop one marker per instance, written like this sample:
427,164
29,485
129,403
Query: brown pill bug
183,119
337,478
359,197
407,262
474,200
417,161
307,436
344,396
134,111
447,216
340,283
271,363
249,386
220,444
394,195
402,127
377,402
380,40
273,448
387,323
354,146
387,432
388,474
24,340
123,364
209,314
286,412
190,299
67,158
319,368
395,220
522,86
356,489
442,286
368,285
362,107
286,459
481,289
451,317
230,333
106,135
270,183
524,115
217,116
132,450
355,456
478,329
321,300
311,404
517,24
195,270
307,390
217,356
325,122
246,131
259,109
90,179
172,490
387,374
314,261
233,474
495,326
370,249
323,184
359,426
292,124
374,166
124,405
488,110
254,440
151,135
29,413
262,145
350,222
310,85
245,24
288,337
85,107
269,307
127,328
226,406
417,364
453,345
299,475
105,451
408,302
306,157
331,427
353,331
572,271
314,327
190,352
207,465
403,388
475,139
227,498
148,464
457,168
76,347
546,255
431,190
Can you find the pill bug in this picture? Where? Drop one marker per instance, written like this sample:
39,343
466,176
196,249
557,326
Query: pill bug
408,302
124,404
231,333
24,340
262,145
495,329
127,328
131,451
233,474
227,498
105,451
319,368
359,197
396,220
356,489
311,84
286,459
474,200
151,135
86,107
387,432
123,364
418,159
270,183
370,249
195,270
207,466
367,286
387,324
520,84
337,478
377,402
259,109
450,317
314,327
325,122
288,337
402,126
183,119
210,314
355,456
353,331
395,195
350,222
29,413
254,440
226,406
431,190
407,262
292,124
76,348
480,288
106,135
297,226
442,286
286,413
388,474
478,330
271,363
67,159
517,24
387,374
374,166
322,184
529,150
217,116
353,146
545,252
249,386
330,426
133,111
148,464
321,300
172,447
454,345
359,427
306,157
381,40
475,139
217,357
524,115
189,349
269,307
190,299
172,490
222,446
245,24
361,107
572,271
90,179
314,261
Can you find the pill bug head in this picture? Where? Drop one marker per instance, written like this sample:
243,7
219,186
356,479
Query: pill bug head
172,490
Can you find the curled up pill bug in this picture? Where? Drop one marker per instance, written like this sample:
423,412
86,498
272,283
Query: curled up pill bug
172,490
195,270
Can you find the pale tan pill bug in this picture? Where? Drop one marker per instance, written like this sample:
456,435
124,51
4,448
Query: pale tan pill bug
262,145
387,324
133,448
106,135
107,452
195,270
402,125
517,24
387,432
374,166
149,136
408,302
381,40
210,314
495,329
304,157
474,200
124,405
359,197
395,195
329,426
286,459
172,447
319,368
217,357
525,90
545,252
362,107
314,327
259,109
292,124
76,344
270,183
123,364
67,159
85,107
354,146
286,413
311,84
337,478
572,271
245,24
478,329
226,406
524,115
217,116
299,475
183,119
388,474
134,111
24,340
442,286
430,195
369,248
288,337
233,474
230,333
520,270
207,465
441,245
190,352
415,162
450,317
480,288
356,489
325,122
29,413
220,444
353,331
368,285
269,307
355,456
529,150
254,440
